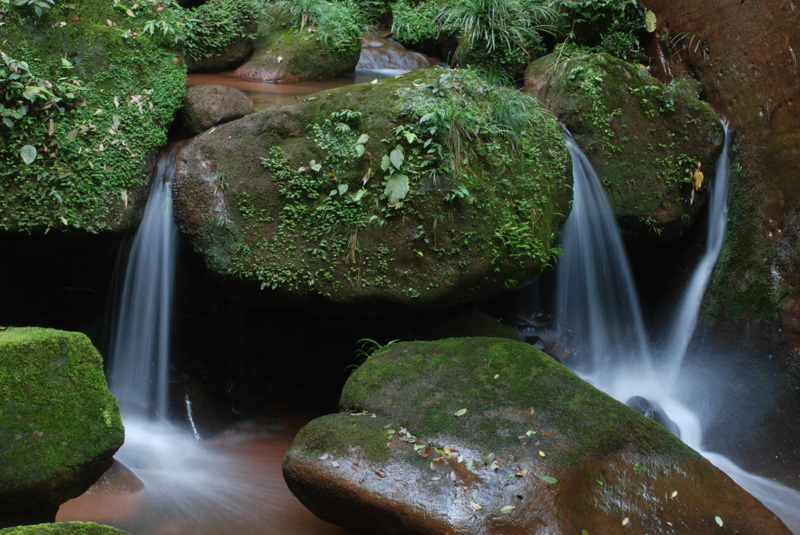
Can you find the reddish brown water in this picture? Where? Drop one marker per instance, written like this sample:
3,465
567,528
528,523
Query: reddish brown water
265,94
264,505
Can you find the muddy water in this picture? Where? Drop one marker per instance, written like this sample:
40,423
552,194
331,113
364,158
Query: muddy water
265,95
258,504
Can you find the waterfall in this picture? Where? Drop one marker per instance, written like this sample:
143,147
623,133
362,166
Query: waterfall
140,348
598,306
595,292
685,320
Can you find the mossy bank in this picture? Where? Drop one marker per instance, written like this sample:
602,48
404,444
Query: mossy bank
420,191
86,95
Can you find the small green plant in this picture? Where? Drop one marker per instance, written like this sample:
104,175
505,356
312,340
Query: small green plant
335,23
415,24
505,24
39,6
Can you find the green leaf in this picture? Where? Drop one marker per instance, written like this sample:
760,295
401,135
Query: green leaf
411,137
397,157
28,153
460,412
342,189
396,189
385,163
362,139
584,532
637,468
360,150
548,479
507,509
315,166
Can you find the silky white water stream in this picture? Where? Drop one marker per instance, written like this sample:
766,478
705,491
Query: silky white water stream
598,305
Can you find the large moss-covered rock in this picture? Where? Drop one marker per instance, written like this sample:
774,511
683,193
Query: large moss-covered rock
322,42
96,96
223,34
422,191
488,436
63,528
642,137
59,424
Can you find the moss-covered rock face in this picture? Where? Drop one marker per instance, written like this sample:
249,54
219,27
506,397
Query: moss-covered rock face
642,137
327,44
59,424
97,96
421,191
63,528
490,436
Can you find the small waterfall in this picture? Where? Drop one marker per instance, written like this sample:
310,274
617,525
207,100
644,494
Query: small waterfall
140,348
595,291
598,306
685,320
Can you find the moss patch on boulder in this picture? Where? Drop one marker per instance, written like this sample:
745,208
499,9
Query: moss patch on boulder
425,191
642,137
59,424
100,94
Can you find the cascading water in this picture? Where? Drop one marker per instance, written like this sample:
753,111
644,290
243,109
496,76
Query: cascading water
231,484
140,348
599,310
597,300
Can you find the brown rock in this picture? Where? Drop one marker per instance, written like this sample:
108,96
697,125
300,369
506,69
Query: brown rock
208,105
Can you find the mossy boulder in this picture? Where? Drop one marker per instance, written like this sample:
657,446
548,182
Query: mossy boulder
208,105
223,34
63,528
642,137
488,436
286,53
59,424
422,191
97,96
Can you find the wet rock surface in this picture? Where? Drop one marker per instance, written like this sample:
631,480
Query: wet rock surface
489,436
377,53
208,105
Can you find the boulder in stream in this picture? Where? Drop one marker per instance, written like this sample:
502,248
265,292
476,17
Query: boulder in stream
208,105
422,191
486,436
59,424
645,139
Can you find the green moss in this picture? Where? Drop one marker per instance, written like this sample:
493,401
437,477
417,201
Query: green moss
642,137
56,412
93,152
336,434
508,388
742,284
487,185
63,528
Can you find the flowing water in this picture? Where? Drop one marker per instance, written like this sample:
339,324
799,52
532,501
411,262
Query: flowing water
138,374
231,484
598,311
